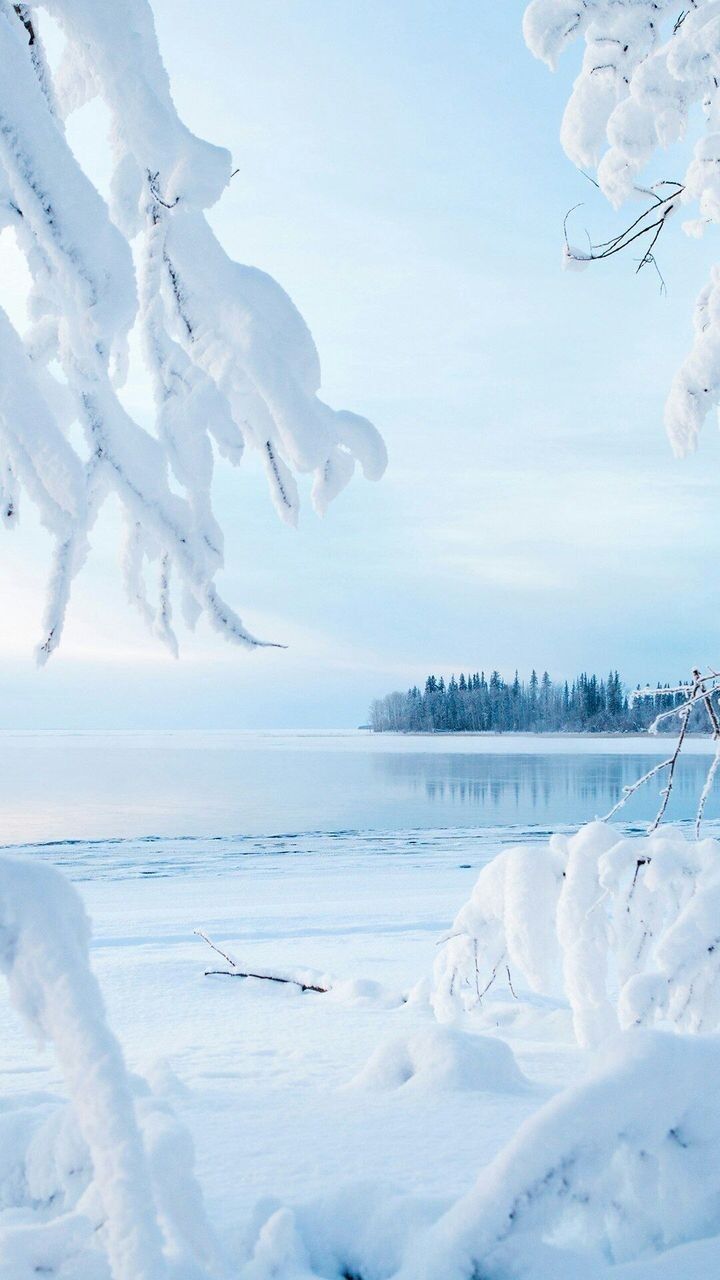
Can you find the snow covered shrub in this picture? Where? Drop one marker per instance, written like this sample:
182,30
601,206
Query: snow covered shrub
648,66
230,358
626,929
624,1165
509,920
111,1173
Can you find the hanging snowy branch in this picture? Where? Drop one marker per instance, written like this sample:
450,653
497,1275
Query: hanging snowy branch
646,68
230,359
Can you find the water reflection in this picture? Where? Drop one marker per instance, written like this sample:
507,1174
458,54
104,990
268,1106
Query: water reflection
536,788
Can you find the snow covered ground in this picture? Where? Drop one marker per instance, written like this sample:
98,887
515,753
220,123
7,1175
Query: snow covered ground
336,1101
259,1072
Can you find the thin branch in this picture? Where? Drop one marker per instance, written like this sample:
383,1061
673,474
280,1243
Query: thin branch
235,972
265,977
715,726
710,779
662,206
696,694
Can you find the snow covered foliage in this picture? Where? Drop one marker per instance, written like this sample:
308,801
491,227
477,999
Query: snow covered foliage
625,929
230,358
648,66
102,1186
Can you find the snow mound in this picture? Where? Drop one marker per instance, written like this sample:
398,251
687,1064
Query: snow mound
625,929
441,1058
360,1229
365,991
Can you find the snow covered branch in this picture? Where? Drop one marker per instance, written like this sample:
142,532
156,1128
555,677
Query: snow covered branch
235,971
647,67
120,1201
230,359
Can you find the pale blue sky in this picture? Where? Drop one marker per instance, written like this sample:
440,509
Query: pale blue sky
401,176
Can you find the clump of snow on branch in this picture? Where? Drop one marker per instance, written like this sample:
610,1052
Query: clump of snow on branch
625,930
230,358
109,1175
647,68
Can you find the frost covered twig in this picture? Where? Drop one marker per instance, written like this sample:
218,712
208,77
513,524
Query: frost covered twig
697,692
236,972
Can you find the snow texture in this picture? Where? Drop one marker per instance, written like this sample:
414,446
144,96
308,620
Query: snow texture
230,358
650,79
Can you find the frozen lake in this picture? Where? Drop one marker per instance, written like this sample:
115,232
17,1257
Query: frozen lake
184,798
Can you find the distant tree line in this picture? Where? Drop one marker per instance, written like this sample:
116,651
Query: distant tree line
472,703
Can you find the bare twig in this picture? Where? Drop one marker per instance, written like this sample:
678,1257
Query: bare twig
697,692
715,726
651,222
706,790
488,985
235,972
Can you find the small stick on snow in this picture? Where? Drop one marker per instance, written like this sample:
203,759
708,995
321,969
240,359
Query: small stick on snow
236,972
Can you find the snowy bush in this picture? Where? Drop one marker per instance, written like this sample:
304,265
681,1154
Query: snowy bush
626,929
650,74
230,358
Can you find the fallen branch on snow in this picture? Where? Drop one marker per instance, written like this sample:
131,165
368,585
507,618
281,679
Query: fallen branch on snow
235,972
